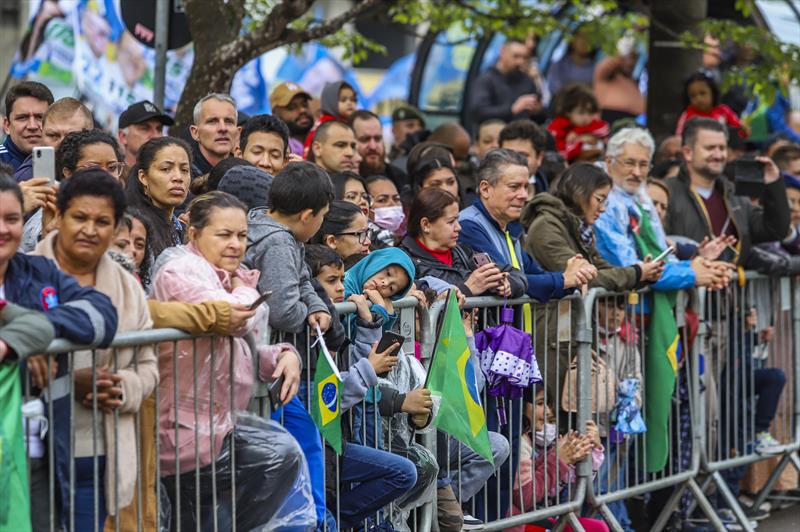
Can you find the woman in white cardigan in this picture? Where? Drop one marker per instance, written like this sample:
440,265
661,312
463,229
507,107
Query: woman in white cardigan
88,208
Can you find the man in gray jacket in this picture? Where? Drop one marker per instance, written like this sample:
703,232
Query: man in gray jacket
702,202
299,198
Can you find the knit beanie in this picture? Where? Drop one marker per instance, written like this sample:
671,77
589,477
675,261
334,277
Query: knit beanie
249,184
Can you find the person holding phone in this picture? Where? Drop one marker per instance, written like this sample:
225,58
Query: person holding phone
432,244
704,204
209,268
629,209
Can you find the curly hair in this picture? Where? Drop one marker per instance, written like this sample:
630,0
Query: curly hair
71,149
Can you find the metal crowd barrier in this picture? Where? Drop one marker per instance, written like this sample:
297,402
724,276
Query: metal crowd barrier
558,329
721,427
749,336
620,340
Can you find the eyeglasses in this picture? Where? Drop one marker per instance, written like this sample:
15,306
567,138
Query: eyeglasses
363,235
630,164
602,200
115,169
355,196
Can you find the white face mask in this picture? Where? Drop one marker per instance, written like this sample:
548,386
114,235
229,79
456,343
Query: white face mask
547,436
390,218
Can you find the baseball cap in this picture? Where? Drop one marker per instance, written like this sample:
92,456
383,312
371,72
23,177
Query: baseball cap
283,94
141,111
407,112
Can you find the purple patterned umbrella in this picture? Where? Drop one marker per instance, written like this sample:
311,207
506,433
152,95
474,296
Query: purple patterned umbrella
507,358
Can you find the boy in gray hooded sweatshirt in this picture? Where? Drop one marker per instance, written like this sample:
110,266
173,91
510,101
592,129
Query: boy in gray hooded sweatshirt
299,198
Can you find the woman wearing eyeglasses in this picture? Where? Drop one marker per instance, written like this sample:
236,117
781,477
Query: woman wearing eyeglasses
349,186
560,225
345,230
90,148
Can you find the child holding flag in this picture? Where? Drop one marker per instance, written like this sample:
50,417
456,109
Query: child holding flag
370,478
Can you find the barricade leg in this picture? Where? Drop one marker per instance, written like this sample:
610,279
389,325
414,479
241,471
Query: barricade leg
705,506
669,508
787,459
731,501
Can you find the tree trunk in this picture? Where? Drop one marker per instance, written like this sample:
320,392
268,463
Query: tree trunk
669,63
213,25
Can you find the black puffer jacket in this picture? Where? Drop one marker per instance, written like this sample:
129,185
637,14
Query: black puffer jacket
463,265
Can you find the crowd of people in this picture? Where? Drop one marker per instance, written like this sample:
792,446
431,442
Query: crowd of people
143,230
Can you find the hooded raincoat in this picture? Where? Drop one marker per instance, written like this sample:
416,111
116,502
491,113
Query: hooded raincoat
183,274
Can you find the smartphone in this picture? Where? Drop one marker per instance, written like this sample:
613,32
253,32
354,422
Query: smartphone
481,259
388,339
263,297
729,254
275,393
44,163
664,254
748,176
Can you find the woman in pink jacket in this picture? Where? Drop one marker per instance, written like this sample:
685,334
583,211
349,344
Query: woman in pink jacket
205,382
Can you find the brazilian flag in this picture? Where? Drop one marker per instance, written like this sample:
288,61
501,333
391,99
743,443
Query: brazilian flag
451,377
14,507
662,355
326,400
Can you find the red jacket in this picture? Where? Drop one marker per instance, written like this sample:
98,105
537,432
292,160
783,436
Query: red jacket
722,113
561,128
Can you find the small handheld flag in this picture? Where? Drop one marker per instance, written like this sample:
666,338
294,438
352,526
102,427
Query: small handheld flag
325,397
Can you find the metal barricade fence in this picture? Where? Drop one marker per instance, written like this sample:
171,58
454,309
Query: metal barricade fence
549,487
666,455
751,370
181,488
562,332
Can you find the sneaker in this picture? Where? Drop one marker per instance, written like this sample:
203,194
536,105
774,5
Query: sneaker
471,523
755,514
748,500
729,521
766,444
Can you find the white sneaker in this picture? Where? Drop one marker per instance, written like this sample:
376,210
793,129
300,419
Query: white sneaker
471,523
766,444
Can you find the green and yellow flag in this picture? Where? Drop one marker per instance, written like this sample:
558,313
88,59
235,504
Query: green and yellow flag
662,354
451,378
14,506
325,398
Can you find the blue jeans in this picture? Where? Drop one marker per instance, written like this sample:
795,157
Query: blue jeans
85,489
474,469
371,479
498,487
609,482
298,422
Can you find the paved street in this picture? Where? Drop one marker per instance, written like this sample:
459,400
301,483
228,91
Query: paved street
783,521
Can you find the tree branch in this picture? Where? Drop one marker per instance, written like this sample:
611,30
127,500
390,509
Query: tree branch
217,21
333,25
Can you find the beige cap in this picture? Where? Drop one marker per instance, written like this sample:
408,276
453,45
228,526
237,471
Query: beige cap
284,93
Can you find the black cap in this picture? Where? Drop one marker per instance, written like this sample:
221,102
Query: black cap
140,112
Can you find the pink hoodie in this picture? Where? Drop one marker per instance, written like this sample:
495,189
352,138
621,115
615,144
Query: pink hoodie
188,277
